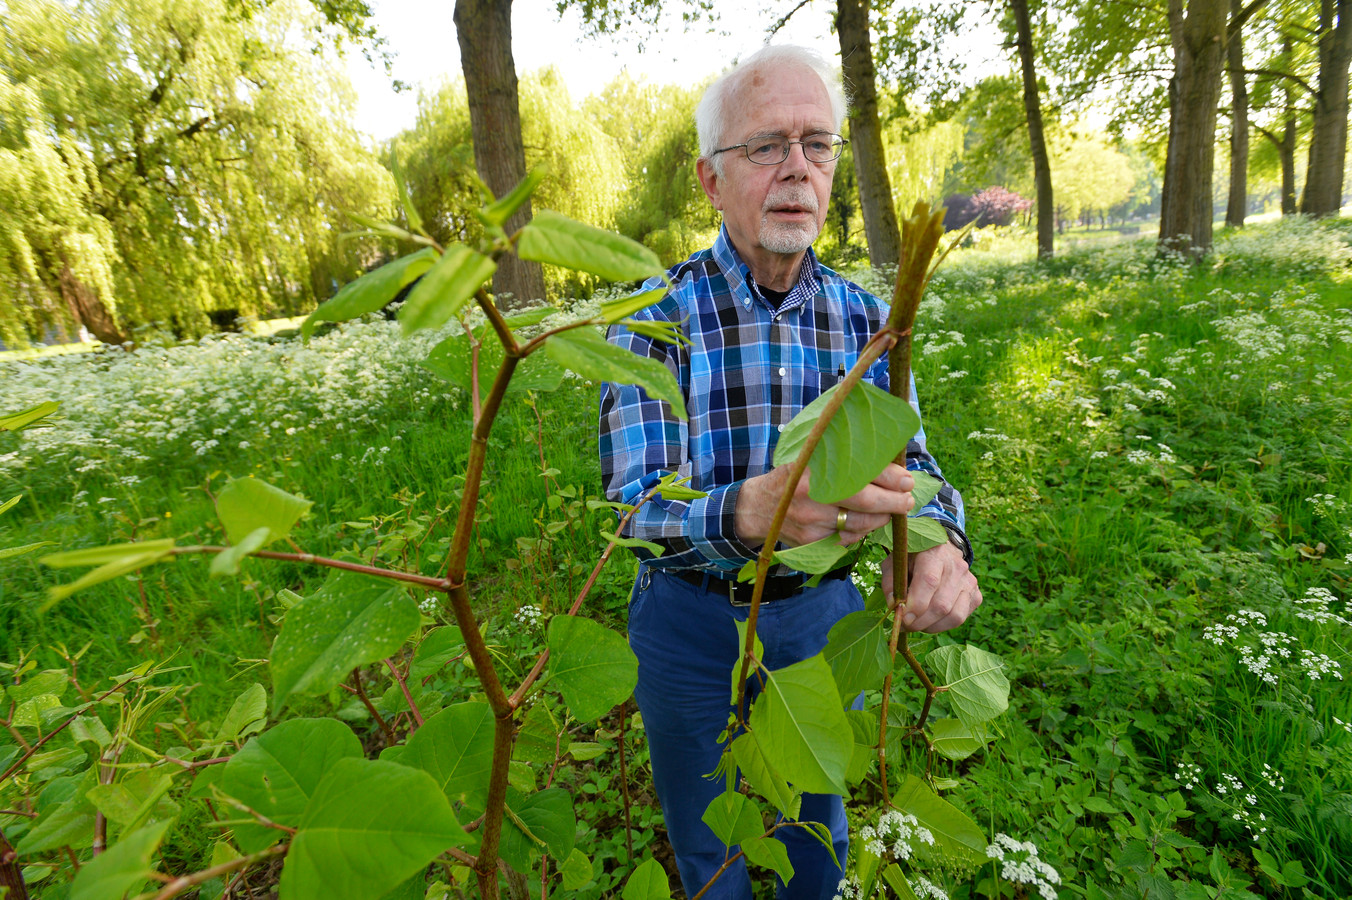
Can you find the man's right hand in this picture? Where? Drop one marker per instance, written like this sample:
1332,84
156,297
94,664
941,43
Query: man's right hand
808,520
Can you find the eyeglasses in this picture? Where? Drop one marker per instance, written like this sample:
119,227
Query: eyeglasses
772,150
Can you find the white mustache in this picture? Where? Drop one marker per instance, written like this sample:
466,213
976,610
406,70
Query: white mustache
803,199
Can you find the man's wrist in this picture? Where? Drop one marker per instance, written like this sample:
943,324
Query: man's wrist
958,539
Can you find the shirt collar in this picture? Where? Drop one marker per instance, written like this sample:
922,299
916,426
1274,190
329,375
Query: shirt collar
744,287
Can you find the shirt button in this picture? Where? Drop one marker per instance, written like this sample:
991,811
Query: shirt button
781,370
781,427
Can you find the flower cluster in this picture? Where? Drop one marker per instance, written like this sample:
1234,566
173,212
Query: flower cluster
528,616
894,835
1188,775
1019,863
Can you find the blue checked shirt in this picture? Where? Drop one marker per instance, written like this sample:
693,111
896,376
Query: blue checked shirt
751,366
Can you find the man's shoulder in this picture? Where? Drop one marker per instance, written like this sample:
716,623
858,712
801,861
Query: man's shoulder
848,292
690,280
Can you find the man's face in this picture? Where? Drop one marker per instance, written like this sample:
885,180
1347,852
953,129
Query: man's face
773,211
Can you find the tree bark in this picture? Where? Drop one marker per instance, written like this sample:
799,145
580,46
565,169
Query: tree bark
1198,38
484,31
1287,150
1032,104
1239,128
866,135
87,309
1328,139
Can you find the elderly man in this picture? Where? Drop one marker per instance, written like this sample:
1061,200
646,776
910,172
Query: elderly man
770,329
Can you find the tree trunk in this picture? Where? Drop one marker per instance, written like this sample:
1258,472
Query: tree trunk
1239,128
1287,150
1198,39
87,309
866,135
484,31
1328,139
1042,170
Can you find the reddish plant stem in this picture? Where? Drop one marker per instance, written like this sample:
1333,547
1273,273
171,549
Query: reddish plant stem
385,728
189,764
435,584
183,882
520,693
872,351
403,686
11,876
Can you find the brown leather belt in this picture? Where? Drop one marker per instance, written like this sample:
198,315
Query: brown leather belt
777,587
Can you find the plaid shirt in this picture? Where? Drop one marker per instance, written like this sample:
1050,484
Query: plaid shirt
751,366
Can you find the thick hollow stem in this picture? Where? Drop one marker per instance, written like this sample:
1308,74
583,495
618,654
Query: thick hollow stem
182,883
485,867
873,350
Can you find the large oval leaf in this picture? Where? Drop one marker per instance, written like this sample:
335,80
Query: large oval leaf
957,838
247,504
590,665
802,728
351,620
556,239
591,356
535,823
870,430
371,291
369,826
121,868
857,651
977,687
277,772
455,747
445,289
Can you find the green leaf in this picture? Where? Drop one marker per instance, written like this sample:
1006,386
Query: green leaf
924,532
10,552
228,560
127,558
615,310
445,289
801,727
121,868
978,690
436,649
868,432
733,818
277,772
21,420
93,556
957,838
69,824
816,558
537,740
134,799
371,291
864,726
857,652
455,747
953,739
529,317
10,503
757,650
585,352
590,665
49,681
248,714
769,853
369,826
647,882
247,504
576,870
613,538
499,211
538,822
350,621
897,881
410,211
674,486
450,359
561,241
764,780
926,488
585,750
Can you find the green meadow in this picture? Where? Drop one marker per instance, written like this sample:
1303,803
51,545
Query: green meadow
1156,460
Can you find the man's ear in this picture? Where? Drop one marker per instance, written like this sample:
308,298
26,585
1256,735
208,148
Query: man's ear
708,180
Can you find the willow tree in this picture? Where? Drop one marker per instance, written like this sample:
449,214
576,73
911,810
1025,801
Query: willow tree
164,159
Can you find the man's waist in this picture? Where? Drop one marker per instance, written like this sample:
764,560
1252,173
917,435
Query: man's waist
777,587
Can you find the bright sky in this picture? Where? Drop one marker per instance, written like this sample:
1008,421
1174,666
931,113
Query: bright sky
422,38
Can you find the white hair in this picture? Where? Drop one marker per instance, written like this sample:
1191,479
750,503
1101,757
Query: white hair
711,115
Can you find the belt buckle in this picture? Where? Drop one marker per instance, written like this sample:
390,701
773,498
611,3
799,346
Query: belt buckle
732,594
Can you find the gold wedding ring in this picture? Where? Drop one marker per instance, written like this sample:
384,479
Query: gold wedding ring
842,520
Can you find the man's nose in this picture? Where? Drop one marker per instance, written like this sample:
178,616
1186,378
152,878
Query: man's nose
797,165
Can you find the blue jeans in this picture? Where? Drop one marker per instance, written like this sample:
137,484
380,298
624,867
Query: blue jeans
686,644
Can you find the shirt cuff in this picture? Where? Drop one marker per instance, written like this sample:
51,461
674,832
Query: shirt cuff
712,523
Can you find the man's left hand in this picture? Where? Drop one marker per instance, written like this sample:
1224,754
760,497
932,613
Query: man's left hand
943,591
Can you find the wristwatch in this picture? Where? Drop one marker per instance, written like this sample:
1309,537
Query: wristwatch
959,540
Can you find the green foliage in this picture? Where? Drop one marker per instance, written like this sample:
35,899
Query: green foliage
134,132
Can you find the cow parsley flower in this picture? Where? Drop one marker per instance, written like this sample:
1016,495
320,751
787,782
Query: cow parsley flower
1019,864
